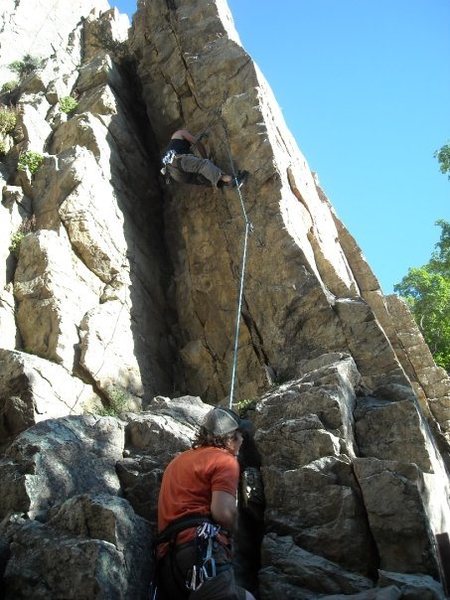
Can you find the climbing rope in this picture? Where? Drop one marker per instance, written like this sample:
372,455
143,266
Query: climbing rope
248,230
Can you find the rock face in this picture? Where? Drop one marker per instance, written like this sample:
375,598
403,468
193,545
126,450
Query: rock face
42,34
88,279
119,291
108,563
34,389
66,532
34,467
364,490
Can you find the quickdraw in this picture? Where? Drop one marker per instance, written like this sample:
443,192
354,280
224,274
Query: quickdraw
205,568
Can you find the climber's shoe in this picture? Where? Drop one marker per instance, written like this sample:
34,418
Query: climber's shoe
235,181
221,183
240,178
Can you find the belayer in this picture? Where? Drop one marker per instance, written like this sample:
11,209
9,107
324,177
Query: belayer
197,515
183,166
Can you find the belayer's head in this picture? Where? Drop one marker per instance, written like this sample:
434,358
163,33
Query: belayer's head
222,428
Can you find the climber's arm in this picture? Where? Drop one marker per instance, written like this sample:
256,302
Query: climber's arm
201,149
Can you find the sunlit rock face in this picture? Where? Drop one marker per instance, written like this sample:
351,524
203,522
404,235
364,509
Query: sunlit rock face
41,29
85,287
302,296
119,295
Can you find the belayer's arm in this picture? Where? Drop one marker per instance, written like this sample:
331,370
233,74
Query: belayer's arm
224,510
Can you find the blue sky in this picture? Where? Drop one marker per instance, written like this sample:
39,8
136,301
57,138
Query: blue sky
364,86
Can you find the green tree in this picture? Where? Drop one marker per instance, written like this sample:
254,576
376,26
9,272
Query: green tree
426,289
29,64
443,157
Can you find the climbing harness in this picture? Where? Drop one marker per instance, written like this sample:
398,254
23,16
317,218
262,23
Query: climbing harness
204,566
168,159
171,172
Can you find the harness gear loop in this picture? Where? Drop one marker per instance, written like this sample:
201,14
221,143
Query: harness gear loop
168,157
248,230
204,566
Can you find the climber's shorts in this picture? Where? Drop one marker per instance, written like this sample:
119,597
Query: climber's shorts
173,574
201,166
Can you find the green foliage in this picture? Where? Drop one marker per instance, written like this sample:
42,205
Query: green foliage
31,160
118,401
25,227
16,240
68,104
9,86
427,291
24,67
8,119
243,406
443,157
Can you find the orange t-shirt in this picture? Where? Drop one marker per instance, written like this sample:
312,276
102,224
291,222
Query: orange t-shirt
188,483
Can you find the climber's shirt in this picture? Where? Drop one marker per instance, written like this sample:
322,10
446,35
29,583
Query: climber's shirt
179,146
189,481
185,497
175,148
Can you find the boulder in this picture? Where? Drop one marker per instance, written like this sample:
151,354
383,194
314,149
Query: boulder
33,389
189,410
414,587
306,436
163,430
140,479
31,118
304,440
57,459
107,349
87,131
99,71
320,507
382,427
396,515
47,564
92,547
50,309
292,572
73,192
324,397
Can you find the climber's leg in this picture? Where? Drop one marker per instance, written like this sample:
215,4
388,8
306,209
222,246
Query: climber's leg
203,166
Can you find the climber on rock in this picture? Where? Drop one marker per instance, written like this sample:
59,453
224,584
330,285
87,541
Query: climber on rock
197,514
183,166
